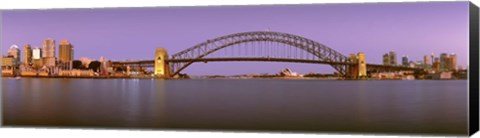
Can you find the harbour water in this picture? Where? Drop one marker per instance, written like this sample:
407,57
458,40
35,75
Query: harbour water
420,106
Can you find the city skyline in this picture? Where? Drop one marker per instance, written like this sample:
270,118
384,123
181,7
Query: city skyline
113,34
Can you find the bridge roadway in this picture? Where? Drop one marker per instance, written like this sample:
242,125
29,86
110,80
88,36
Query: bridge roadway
150,63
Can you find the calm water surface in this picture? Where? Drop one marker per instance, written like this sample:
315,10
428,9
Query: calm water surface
433,107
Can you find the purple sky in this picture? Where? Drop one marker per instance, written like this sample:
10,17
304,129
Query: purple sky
412,29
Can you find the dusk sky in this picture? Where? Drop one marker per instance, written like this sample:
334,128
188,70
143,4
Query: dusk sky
413,29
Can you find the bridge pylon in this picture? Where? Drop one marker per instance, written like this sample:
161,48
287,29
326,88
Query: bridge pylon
359,69
162,68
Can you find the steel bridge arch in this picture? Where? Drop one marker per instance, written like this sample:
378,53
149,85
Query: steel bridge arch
203,49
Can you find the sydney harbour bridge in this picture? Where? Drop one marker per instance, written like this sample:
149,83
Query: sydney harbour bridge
261,46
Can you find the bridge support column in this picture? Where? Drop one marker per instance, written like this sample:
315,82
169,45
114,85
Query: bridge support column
359,69
162,69
352,70
362,66
128,70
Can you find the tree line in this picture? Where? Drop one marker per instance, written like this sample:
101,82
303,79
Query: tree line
94,65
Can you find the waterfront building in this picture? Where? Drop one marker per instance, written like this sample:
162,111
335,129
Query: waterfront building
27,55
452,65
411,64
405,61
440,76
14,52
444,57
37,63
37,60
426,61
48,52
65,54
393,58
386,59
104,66
289,73
419,64
432,58
76,73
9,64
36,53
436,64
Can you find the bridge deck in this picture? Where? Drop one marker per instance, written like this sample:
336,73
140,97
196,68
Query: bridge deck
150,63
235,59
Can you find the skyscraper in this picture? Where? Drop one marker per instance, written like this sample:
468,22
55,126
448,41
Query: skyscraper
436,64
452,65
65,51
27,55
386,59
426,60
48,52
37,57
393,58
36,53
433,58
405,61
444,61
14,52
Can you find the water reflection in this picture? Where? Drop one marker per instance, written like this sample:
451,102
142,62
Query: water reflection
304,105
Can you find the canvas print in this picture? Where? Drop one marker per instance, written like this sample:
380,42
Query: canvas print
389,68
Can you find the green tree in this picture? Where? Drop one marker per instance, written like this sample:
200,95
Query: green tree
95,66
77,64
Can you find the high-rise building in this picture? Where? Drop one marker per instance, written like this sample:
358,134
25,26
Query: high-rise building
36,53
386,59
427,63
432,58
405,61
48,52
426,60
452,65
436,64
393,58
444,61
65,53
27,55
15,53
37,57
